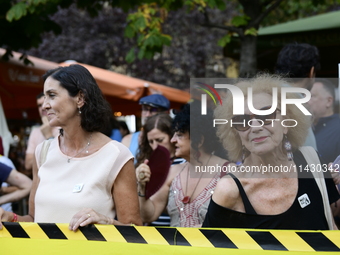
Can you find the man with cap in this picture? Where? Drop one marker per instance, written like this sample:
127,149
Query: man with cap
151,105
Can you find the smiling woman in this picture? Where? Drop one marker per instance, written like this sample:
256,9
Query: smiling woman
260,193
85,176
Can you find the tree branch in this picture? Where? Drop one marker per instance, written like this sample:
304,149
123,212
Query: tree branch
258,20
229,28
265,3
239,31
206,16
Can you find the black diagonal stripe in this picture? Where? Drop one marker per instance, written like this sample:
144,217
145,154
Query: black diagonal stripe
130,234
173,236
266,240
92,233
318,241
52,231
15,229
218,238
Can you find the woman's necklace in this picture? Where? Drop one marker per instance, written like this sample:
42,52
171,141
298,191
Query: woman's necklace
187,198
84,149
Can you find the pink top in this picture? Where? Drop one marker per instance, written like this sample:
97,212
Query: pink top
86,182
37,137
193,213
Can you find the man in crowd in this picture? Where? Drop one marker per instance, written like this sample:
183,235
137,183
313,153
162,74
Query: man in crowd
299,61
151,105
326,124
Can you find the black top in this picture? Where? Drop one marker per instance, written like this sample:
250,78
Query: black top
4,172
306,212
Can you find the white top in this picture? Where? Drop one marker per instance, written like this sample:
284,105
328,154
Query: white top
86,182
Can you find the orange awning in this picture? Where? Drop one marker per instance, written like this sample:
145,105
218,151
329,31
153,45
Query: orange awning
123,92
20,84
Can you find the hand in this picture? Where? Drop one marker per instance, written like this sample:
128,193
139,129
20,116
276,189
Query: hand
4,216
45,128
88,216
143,173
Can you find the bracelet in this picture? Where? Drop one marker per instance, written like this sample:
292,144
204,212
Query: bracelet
15,218
140,194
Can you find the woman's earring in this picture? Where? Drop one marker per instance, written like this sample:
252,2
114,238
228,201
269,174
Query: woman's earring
288,147
243,154
79,110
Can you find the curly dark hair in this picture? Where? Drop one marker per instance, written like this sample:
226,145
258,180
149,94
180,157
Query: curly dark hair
96,112
200,127
161,122
295,60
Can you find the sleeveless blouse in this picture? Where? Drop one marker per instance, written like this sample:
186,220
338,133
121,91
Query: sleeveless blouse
190,214
66,188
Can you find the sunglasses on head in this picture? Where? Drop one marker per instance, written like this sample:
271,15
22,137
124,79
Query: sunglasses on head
241,122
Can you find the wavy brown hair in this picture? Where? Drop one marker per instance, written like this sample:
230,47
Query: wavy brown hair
161,122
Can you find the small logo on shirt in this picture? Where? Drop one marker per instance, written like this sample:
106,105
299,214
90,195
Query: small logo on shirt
304,200
78,188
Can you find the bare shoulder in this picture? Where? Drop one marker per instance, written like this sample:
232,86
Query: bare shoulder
226,192
174,170
99,140
126,140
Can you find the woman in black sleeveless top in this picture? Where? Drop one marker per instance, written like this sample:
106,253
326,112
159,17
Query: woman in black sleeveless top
272,187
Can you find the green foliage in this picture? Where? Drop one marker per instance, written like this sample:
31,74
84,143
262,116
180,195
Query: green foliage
146,25
130,56
251,31
238,21
31,18
224,40
201,5
16,12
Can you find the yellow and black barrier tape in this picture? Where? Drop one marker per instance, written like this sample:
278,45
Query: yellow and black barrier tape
181,240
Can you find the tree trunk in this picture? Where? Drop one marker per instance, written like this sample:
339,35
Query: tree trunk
248,61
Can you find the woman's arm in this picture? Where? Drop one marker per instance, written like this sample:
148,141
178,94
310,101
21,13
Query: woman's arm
10,216
125,200
153,207
125,196
19,180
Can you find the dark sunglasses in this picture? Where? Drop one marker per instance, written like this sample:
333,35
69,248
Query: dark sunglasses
266,119
147,108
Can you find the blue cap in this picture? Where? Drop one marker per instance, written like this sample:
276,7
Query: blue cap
156,100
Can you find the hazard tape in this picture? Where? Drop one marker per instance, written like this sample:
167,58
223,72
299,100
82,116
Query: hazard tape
162,237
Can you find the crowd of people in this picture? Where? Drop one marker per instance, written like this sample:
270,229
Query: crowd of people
86,169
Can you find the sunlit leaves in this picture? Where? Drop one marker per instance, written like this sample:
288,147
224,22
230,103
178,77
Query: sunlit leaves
146,25
238,21
251,31
224,40
17,11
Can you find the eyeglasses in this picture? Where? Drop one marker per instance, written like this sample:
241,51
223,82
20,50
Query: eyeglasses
241,122
147,108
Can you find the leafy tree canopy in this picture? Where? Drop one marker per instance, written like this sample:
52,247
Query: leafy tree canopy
24,21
